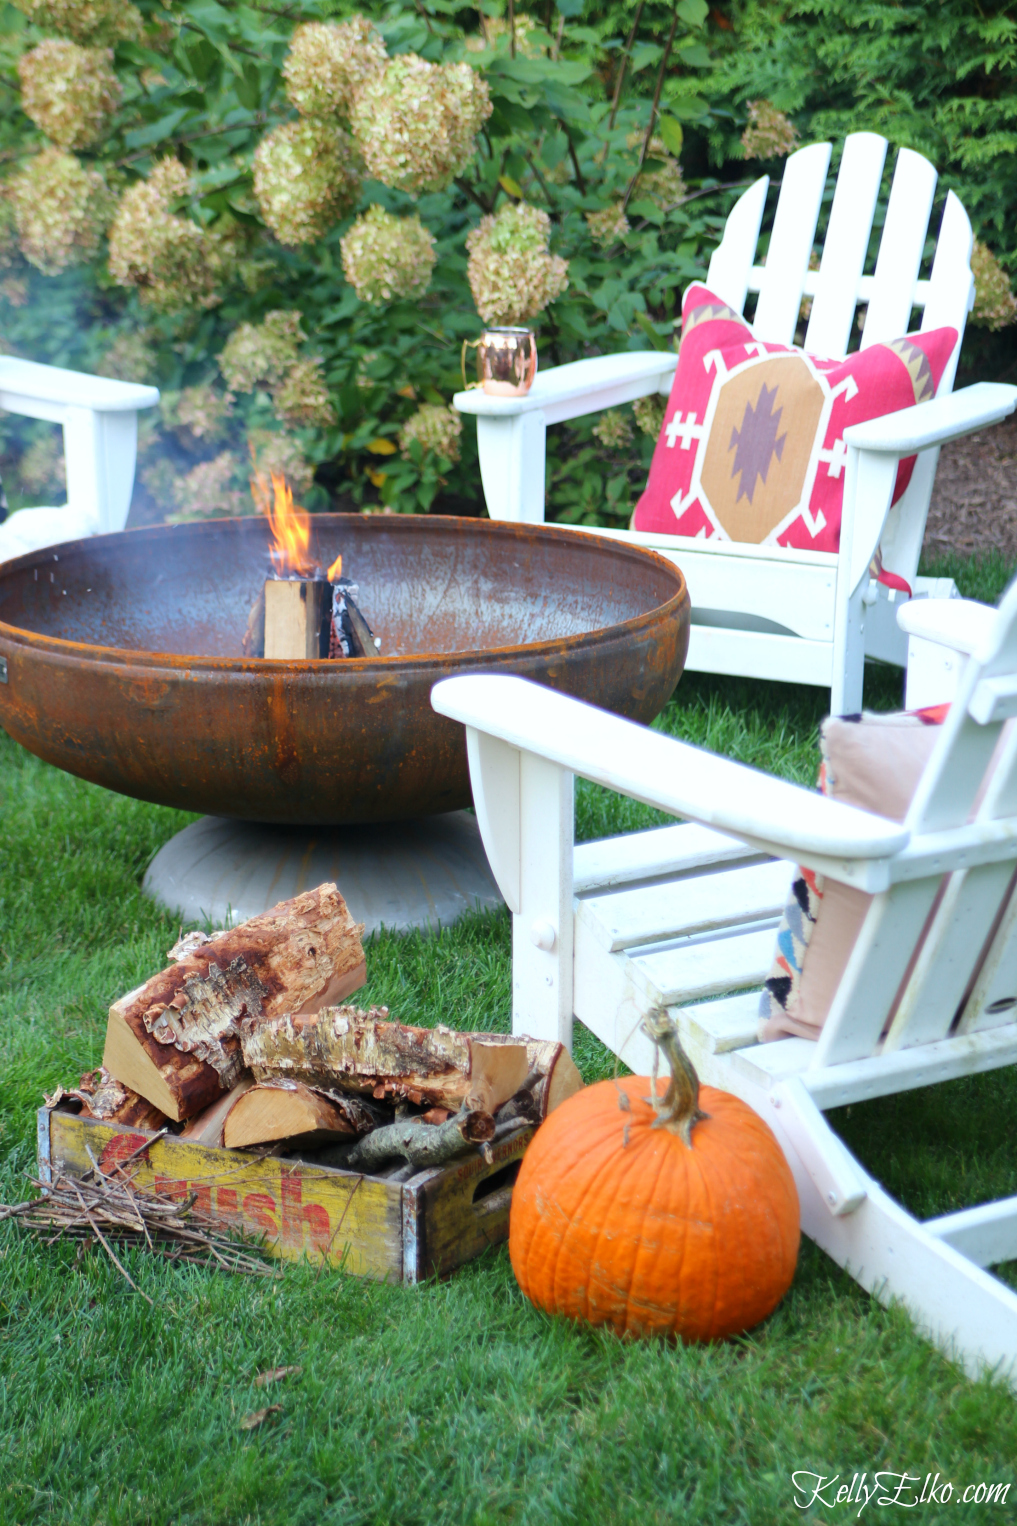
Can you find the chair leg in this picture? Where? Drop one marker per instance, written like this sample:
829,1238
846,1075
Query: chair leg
969,1314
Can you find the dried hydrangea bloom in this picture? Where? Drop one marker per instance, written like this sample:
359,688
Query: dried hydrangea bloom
386,256
511,273
328,61
649,412
88,21
770,134
995,304
131,357
306,178
613,429
608,225
416,122
61,210
198,415
435,429
43,467
207,491
301,398
274,452
257,354
172,262
531,38
70,92
662,184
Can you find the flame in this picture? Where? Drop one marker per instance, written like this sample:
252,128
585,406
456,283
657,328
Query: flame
335,572
290,525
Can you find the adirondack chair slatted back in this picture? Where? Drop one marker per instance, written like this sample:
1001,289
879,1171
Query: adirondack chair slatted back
952,937
841,285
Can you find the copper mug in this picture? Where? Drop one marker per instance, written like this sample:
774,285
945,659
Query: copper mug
506,361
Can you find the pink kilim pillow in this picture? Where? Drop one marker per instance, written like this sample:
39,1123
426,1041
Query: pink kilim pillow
752,447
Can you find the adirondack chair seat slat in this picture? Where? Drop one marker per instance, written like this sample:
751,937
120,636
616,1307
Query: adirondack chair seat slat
695,903
767,625
672,918
642,856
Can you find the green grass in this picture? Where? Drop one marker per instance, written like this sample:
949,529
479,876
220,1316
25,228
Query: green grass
454,1402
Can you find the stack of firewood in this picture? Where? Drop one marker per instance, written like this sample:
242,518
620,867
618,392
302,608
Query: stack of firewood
243,1041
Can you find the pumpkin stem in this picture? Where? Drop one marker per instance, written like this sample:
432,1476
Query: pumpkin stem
678,1110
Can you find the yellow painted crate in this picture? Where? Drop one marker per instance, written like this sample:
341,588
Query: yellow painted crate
397,1231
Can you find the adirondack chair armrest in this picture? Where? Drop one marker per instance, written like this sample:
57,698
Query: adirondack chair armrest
45,391
935,422
961,625
580,388
783,818
99,418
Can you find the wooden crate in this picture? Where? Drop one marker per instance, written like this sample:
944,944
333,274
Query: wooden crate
396,1231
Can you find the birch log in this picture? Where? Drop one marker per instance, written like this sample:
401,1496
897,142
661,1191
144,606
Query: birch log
365,1052
175,1040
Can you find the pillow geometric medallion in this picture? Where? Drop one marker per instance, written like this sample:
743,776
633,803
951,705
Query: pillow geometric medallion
752,447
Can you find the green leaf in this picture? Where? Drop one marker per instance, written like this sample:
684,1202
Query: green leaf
658,342
248,86
691,108
511,187
571,7
692,12
644,53
671,132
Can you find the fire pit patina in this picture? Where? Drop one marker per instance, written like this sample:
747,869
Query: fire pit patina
121,658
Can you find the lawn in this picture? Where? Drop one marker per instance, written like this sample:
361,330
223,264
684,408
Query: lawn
452,1402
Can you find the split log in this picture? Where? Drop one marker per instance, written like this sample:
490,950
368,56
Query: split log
206,1128
556,1075
176,1039
364,1052
297,617
422,1144
287,1109
102,1096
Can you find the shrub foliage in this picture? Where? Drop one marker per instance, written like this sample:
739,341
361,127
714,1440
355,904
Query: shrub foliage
291,216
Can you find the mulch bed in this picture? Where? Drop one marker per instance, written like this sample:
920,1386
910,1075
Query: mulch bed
974,502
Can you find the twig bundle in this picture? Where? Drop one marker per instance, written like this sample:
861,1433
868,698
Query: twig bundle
105,1209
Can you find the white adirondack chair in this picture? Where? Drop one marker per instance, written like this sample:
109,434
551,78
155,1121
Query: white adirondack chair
100,425
684,917
765,611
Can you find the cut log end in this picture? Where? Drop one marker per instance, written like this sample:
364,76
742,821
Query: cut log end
283,1110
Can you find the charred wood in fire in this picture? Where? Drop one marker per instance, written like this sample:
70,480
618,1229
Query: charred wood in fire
351,636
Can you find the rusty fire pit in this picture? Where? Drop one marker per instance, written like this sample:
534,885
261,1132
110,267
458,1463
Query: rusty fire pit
124,666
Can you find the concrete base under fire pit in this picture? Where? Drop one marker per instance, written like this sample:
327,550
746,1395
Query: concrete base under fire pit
405,874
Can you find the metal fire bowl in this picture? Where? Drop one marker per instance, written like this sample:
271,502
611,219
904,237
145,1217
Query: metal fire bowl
124,666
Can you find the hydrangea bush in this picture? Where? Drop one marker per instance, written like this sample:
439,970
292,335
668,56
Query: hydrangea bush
290,217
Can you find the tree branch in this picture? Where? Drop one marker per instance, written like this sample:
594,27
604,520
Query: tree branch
623,66
653,112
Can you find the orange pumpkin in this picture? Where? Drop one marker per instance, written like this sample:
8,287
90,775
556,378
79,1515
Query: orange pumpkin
636,1209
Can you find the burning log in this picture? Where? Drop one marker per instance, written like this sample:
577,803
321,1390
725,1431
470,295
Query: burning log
298,618
351,636
176,1039
363,1052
